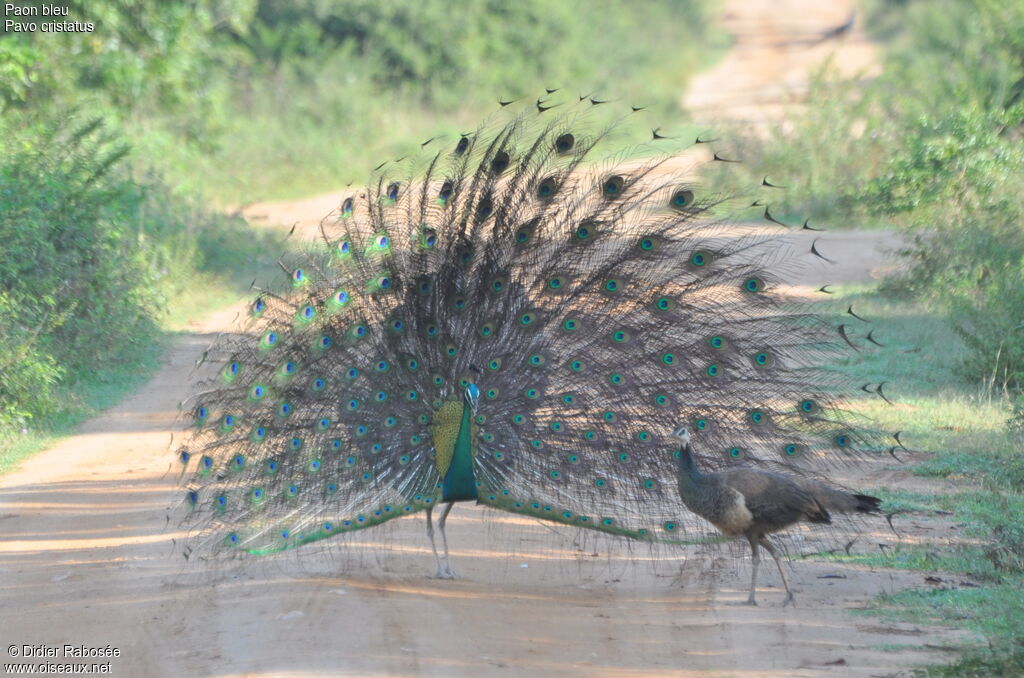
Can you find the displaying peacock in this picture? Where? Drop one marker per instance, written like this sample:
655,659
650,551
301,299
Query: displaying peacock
518,318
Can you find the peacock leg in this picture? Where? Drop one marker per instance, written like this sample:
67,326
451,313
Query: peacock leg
755,561
789,594
433,544
446,572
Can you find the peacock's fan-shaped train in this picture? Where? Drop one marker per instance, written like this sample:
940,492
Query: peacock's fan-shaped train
516,320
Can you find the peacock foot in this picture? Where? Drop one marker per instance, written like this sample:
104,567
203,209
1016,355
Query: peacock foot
445,572
751,601
789,600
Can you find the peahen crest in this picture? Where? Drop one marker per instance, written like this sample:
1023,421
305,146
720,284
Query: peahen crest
510,321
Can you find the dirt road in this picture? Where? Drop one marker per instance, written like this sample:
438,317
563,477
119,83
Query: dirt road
86,558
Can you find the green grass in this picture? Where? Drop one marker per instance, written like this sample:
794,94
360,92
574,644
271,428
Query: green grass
942,410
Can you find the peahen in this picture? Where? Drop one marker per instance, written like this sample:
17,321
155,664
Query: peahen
512,319
755,503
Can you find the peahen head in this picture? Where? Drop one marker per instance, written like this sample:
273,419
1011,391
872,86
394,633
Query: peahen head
472,396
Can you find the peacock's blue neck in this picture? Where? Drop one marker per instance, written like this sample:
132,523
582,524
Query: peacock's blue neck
459,482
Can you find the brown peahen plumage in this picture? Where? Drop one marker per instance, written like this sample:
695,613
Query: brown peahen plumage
754,503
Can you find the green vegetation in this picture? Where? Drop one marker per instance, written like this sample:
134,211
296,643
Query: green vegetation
92,262
253,100
933,146
113,142
942,410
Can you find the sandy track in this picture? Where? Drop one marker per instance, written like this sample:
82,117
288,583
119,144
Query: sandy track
86,557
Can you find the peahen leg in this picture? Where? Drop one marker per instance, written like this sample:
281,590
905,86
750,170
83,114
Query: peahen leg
789,594
433,544
445,571
755,561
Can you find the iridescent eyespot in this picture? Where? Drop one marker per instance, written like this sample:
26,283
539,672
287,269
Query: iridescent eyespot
754,285
500,162
700,258
648,243
612,187
808,407
524,234
564,143
484,209
681,198
547,188
446,191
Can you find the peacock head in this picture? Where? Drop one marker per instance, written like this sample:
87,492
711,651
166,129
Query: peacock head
682,435
472,396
